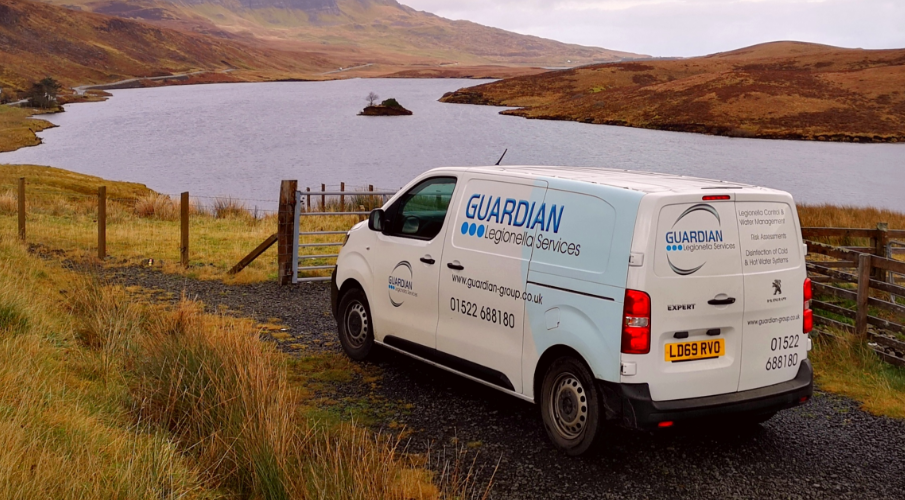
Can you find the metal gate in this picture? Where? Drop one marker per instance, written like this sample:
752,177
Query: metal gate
298,245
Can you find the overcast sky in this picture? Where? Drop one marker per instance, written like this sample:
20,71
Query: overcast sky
687,27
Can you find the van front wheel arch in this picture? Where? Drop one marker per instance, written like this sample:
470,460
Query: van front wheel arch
571,406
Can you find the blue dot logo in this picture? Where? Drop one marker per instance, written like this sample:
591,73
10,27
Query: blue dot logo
680,247
669,248
473,229
481,229
464,228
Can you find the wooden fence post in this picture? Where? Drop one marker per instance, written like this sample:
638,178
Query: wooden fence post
22,208
323,198
184,218
285,228
881,243
308,200
102,222
863,295
342,197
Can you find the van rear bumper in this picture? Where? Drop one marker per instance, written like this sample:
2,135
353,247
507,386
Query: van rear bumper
632,403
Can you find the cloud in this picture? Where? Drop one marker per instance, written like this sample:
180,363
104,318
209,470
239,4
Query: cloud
687,27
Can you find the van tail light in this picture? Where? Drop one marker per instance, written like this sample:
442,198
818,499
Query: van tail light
808,315
636,323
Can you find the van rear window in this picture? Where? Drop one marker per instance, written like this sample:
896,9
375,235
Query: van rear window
770,240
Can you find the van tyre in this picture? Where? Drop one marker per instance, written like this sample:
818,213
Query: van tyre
356,330
571,406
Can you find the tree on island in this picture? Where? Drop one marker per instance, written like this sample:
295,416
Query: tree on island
391,103
43,94
372,98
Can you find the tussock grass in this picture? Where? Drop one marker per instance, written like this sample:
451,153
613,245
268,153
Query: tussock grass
8,203
104,397
144,225
228,400
850,217
229,208
847,366
157,206
845,216
64,430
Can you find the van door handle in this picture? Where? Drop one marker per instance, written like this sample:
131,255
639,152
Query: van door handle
721,302
455,267
427,260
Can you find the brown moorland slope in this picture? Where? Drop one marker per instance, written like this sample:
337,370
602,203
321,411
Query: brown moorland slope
382,32
75,47
781,90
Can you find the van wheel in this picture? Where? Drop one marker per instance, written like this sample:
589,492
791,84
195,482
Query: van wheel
356,331
571,406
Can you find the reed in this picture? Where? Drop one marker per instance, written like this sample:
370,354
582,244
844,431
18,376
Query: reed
229,208
846,216
103,396
846,365
64,431
8,203
157,206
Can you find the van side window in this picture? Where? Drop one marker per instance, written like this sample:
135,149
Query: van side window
421,211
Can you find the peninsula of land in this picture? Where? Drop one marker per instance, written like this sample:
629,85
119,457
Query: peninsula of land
782,90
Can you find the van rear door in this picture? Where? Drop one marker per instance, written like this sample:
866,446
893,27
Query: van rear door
773,344
697,296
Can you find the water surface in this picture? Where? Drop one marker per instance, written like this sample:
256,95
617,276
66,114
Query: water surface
242,139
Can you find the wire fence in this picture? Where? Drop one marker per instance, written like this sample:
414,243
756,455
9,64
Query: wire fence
204,239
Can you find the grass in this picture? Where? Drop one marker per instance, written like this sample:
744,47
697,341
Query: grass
847,366
848,217
64,430
103,396
17,128
143,226
843,216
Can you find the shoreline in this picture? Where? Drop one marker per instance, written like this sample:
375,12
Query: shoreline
470,97
19,128
720,131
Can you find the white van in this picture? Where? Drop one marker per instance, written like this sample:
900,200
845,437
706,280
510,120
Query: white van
600,294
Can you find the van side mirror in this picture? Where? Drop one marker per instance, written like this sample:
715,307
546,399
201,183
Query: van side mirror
376,219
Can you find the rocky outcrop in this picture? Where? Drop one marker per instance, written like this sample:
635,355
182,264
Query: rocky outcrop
390,107
384,111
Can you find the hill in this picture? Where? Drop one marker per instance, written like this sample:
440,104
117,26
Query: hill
781,90
82,47
379,32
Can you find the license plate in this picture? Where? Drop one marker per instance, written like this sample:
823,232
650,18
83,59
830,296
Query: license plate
700,349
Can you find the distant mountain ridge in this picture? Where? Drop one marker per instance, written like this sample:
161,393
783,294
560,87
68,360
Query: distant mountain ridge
305,5
366,31
40,40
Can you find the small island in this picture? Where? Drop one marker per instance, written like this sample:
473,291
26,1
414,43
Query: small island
389,107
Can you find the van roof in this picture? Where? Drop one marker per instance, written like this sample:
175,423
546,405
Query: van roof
646,182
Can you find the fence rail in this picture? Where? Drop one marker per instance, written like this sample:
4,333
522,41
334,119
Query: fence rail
875,293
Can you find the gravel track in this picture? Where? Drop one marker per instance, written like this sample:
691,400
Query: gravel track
827,448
